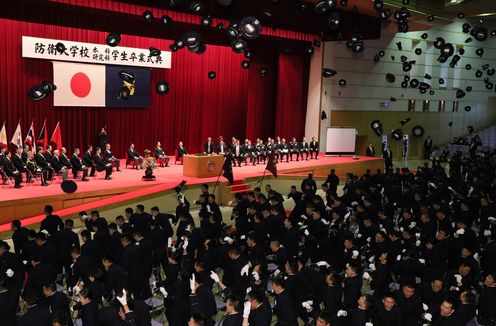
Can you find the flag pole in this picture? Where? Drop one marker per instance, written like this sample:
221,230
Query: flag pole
218,178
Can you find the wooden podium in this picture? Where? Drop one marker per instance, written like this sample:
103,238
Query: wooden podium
204,166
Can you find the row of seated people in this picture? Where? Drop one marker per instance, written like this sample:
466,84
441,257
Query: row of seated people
258,151
45,163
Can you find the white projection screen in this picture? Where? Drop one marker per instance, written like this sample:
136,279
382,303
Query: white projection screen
341,141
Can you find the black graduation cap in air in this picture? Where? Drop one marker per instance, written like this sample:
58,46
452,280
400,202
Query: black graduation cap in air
441,81
399,45
418,51
460,93
390,78
382,53
323,115
479,52
468,108
468,88
180,186
148,15
376,58
212,75
468,66
427,76
328,72
113,39
342,82
414,83
450,123
478,74
424,36
162,87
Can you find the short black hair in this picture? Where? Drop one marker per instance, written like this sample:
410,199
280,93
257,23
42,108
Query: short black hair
48,209
235,302
16,224
129,210
199,319
326,316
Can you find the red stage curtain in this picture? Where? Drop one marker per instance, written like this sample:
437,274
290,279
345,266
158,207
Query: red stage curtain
292,92
237,103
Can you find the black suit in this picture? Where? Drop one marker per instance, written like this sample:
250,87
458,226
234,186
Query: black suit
36,315
8,307
294,148
387,155
11,171
262,316
102,165
222,148
370,151
133,156
314,148
88,162
284,310
65,241
203,301
52,223
161,156
132,260
427,148
238,153
77,165
208,147
21,166
304,149
58,302
110,158
115,279
64,160
59,167
181,151
40,275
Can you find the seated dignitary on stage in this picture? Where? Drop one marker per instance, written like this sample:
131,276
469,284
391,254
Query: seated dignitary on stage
44,165
238,153
208,147
283,151
77,165
294,148
109,157
314,148
160,155
88,160
249,152
133,156
261,151
221,146
20,165
10,170
304,147
64,160
181,151
102,165
57,165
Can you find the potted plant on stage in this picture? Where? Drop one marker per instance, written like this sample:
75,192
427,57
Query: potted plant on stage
149,163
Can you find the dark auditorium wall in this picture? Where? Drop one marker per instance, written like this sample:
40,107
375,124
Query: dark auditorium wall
237,103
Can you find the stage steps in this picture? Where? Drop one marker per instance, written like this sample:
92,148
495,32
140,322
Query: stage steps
239,186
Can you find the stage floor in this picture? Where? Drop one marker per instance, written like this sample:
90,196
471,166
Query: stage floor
131,178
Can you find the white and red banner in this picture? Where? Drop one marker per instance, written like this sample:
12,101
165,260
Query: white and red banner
79,84
43,48
30,140
3,136
17,136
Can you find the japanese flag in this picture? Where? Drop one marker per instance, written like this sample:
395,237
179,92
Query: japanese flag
78,84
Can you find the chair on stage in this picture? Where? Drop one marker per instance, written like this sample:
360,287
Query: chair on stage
178,159
130,161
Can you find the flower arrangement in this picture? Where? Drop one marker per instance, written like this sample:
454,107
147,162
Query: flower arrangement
149,161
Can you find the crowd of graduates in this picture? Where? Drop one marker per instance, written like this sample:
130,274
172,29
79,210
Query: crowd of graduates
399,248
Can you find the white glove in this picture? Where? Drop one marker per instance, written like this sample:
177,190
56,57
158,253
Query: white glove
458,279
307,305
402,229
359,235
76,289
256,276
325,222
248,289
342,313
246,309
476,256
164,293
229,240
347,215
242,237
304,217
322,263
460,231
372,267
398,258
169,243
371,259
185,244
245,270
417,235
192,283
214,276
487,233
9,272
306,233
366,276
422,261
428,316
491,219
369,239
277,272
412,225
432,185
417,243
46,232
25,262
354,203
369,324
122,299
355,254
425,307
